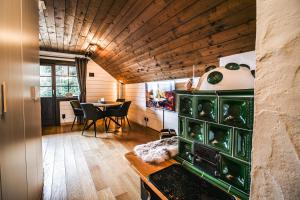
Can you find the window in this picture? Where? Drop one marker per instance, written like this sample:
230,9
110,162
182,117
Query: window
46,81
66,80
59,78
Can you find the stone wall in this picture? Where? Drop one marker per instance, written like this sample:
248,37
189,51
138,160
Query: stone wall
276,141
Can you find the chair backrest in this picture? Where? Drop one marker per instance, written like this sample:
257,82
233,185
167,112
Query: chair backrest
75,104
125,107
120,100
91,112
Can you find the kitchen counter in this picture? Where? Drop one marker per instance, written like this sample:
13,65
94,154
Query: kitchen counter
145,169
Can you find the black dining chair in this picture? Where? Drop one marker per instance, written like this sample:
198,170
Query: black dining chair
92,113
120,100
78,112
121,112
116,107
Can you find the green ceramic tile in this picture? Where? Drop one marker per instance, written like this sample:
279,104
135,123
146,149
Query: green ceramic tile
236,111
235,173
186,105
195,130
185,148
207,108
181,126
219,137
243,144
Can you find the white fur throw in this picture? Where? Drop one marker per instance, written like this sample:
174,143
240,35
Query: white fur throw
157,151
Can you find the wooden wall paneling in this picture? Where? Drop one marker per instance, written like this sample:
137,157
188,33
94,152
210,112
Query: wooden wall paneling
50,23
169,41
81,10
149,12
59,17
171,36
99,37
135,36
44,30
244,29
132,13
188,65
170,11
218,38
13,162
41,42
183,60
89,19
171,24
32,112
70,11
101,15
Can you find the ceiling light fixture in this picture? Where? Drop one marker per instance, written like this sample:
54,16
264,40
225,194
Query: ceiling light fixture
91,50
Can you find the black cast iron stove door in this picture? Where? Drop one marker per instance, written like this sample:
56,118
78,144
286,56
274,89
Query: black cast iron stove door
207,159
177,183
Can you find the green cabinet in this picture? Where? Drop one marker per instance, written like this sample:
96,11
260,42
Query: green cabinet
235,173
243,144
237,112
219,137
195,130
186,105
207,108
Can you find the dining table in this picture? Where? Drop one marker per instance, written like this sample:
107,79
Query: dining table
104,106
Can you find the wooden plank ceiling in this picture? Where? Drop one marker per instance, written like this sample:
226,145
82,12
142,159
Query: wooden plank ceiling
146,40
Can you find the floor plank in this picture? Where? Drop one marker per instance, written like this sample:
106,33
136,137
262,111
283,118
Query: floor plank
84,167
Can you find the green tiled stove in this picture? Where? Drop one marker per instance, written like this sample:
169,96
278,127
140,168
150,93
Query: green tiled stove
219,121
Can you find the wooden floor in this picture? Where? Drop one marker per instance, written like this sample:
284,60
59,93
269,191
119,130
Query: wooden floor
85,167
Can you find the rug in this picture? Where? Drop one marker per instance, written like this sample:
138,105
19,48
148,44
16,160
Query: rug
157,151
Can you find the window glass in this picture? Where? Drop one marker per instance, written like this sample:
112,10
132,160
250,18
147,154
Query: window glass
61,70
62,91
45,81
66,80
74,91
73,81
46,91
45,70
62,81
72,71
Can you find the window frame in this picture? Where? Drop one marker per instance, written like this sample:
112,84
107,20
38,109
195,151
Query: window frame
53,64
68,76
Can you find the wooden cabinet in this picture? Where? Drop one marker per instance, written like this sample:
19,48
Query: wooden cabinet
20,129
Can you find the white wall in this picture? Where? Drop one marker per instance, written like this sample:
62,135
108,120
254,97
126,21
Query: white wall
101,85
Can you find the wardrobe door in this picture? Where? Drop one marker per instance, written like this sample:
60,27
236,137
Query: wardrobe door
13,165
32,112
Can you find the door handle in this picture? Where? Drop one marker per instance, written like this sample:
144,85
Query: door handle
3,100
